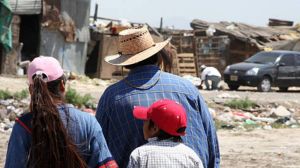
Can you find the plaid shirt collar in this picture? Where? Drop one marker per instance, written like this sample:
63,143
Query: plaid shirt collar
142,69
143,77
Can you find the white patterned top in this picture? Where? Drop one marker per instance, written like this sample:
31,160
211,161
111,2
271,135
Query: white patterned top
164,154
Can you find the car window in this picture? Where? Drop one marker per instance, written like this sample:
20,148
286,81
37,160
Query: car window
288,59
297,59
263,58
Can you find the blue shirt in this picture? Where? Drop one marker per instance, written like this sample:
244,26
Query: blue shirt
143,86
84,129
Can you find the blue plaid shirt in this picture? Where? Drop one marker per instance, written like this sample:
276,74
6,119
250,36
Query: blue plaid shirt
143,86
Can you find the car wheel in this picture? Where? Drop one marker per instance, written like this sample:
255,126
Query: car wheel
283,89
264,85
233,87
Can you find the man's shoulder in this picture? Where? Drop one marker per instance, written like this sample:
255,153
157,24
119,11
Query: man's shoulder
166,75
115,87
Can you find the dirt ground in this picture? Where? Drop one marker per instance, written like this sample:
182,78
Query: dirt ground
259,148
277,148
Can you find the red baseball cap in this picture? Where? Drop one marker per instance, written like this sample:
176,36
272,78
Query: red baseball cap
45,65
168,115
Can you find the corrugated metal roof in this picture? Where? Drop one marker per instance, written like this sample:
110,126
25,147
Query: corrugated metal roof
26,7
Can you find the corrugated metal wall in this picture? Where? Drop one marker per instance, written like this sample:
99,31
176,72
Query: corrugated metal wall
26,7
72,55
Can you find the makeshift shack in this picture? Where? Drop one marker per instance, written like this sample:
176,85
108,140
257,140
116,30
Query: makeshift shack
183,41
104,41
49,27
237,41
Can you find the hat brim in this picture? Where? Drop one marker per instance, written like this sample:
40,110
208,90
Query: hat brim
124,60
140,112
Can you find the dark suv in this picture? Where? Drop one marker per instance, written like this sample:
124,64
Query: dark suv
265,69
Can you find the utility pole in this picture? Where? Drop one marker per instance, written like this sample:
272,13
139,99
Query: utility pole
161,25
96,13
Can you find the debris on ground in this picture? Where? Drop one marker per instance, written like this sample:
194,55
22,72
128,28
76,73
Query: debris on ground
238,114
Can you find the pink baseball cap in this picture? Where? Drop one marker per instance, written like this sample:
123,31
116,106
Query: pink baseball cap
168,115
48,66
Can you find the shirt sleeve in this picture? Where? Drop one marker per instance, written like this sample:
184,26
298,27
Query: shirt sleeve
101,113
18,148
100,154
212,139
133,161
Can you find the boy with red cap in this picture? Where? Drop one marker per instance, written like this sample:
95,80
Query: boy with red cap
164,122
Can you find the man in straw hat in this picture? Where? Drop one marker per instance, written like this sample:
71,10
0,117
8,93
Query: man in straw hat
145,84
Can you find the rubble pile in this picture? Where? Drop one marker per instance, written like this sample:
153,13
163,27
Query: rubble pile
10,109
262,116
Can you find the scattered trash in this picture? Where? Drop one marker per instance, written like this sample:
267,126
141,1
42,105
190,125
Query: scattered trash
250,122
194,80
228,96
260,117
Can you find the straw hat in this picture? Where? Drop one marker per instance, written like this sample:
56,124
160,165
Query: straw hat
135,45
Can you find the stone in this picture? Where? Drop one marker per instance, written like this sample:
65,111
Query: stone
225,117
228,96
10,109
280,111
19,111
219,100
12,116
227,109
3,113
5,102
267,127
212,112
292,110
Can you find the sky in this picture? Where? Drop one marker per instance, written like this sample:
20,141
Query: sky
179,13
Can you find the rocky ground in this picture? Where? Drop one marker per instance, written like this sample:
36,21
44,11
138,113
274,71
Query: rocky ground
265,135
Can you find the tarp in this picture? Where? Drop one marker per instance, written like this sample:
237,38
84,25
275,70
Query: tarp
5,22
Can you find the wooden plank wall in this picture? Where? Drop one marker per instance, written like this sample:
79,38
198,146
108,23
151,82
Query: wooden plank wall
211,51
185,54
186,64
108,46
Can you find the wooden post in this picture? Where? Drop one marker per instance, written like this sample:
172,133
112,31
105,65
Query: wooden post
96,13
161,25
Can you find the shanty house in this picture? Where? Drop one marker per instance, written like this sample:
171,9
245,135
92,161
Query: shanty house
58,28
233,42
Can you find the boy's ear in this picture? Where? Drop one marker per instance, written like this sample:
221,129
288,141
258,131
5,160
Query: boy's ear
155,128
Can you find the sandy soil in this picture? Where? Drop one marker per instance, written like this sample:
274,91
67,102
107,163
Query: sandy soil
259,148
3,145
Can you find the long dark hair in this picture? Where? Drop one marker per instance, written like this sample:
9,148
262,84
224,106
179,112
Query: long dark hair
162,59
51,145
